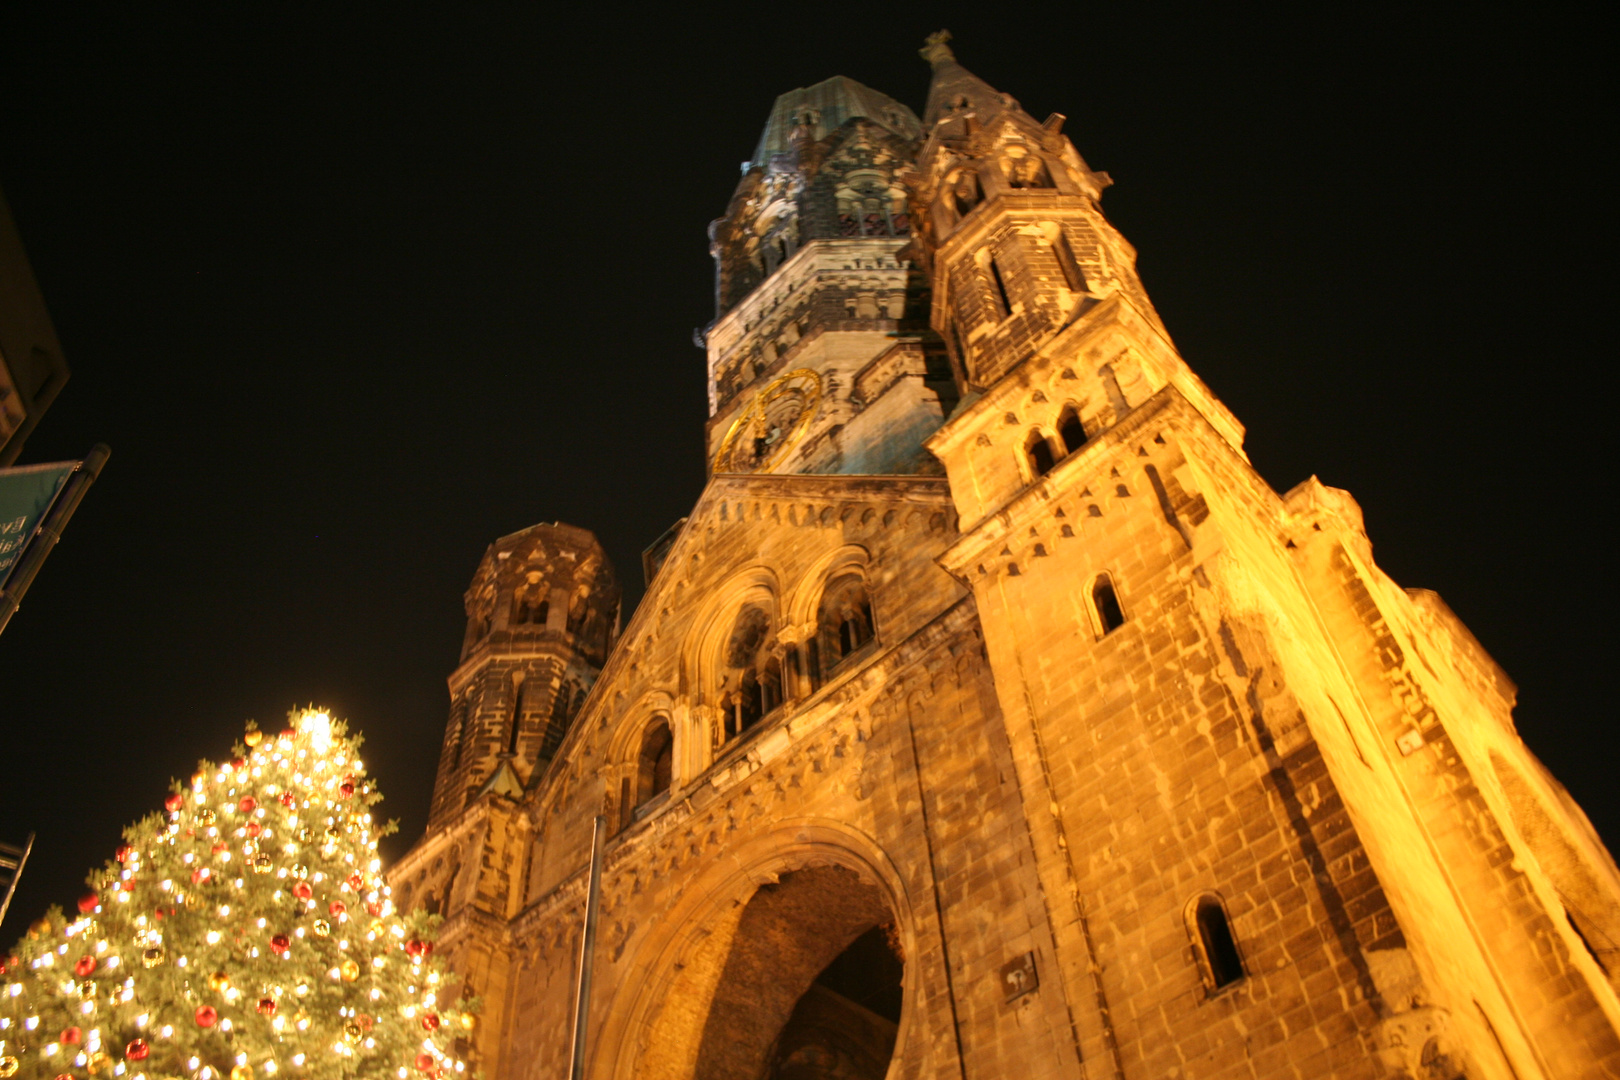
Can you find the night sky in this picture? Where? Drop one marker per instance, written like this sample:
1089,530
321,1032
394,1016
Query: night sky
351,295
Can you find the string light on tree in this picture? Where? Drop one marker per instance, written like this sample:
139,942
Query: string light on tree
243,933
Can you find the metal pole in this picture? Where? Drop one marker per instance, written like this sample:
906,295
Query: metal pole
50,531
587,947
13,859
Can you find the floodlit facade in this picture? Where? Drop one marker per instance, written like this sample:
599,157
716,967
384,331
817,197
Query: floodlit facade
989,716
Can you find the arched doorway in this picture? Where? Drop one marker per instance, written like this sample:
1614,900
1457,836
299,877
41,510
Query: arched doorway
810,988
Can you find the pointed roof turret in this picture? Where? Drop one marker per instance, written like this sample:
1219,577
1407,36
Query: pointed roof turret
954,88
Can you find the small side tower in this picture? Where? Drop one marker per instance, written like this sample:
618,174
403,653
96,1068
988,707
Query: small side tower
542,611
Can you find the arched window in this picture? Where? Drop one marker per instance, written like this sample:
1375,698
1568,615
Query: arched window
1025,171
1071,430
530,605
1105,603
655,764
965,193
843,624
1038,452
752,682
1218,957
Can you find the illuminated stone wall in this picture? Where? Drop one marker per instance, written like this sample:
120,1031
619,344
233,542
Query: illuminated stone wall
1024,693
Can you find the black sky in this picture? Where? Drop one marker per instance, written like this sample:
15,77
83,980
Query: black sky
352,294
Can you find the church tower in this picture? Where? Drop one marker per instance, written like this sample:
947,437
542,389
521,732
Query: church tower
819,357
1280,812
542,613
989,715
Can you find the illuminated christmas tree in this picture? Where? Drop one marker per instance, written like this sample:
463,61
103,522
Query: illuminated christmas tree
245,933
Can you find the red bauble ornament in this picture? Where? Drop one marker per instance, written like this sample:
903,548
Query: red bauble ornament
137,1050
430,1021
254,828
287,799
302,890
200,875
173,804
65,1076
267,1006
124,853
424,1062
238,763
280,944
221,846
336,908
88,903
128,885
413,947
365,1021
346,789
72,1036
84,965
374,909
355,881
7,963
207,1015
248,805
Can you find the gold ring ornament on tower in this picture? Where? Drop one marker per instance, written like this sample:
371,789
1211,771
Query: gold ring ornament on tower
771,424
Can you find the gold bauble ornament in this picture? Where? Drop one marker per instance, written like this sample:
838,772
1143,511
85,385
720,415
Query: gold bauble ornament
351,1034
97,1062
206,816
152,957
468,1021
322,928
87,988
262,864
305,835
219,982
242,1072
38,928
334,833
9,1066
350,970
252,738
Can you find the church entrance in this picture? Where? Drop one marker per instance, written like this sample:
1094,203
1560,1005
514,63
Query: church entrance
811,986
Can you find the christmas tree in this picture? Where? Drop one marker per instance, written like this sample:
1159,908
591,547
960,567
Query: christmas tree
245,933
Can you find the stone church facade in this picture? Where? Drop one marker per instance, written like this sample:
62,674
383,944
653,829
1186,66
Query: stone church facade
989,715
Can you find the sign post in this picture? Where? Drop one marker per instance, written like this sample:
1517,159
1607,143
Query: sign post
36,502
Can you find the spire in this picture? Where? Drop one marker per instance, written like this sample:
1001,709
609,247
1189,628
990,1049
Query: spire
955,89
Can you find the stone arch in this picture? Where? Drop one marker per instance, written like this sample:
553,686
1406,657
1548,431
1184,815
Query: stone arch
659,1029
801,605
700,652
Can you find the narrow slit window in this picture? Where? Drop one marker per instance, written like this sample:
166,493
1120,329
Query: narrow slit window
1071,431
1103,598
517,720
1005,307
1073,276
1219,947
1039,452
